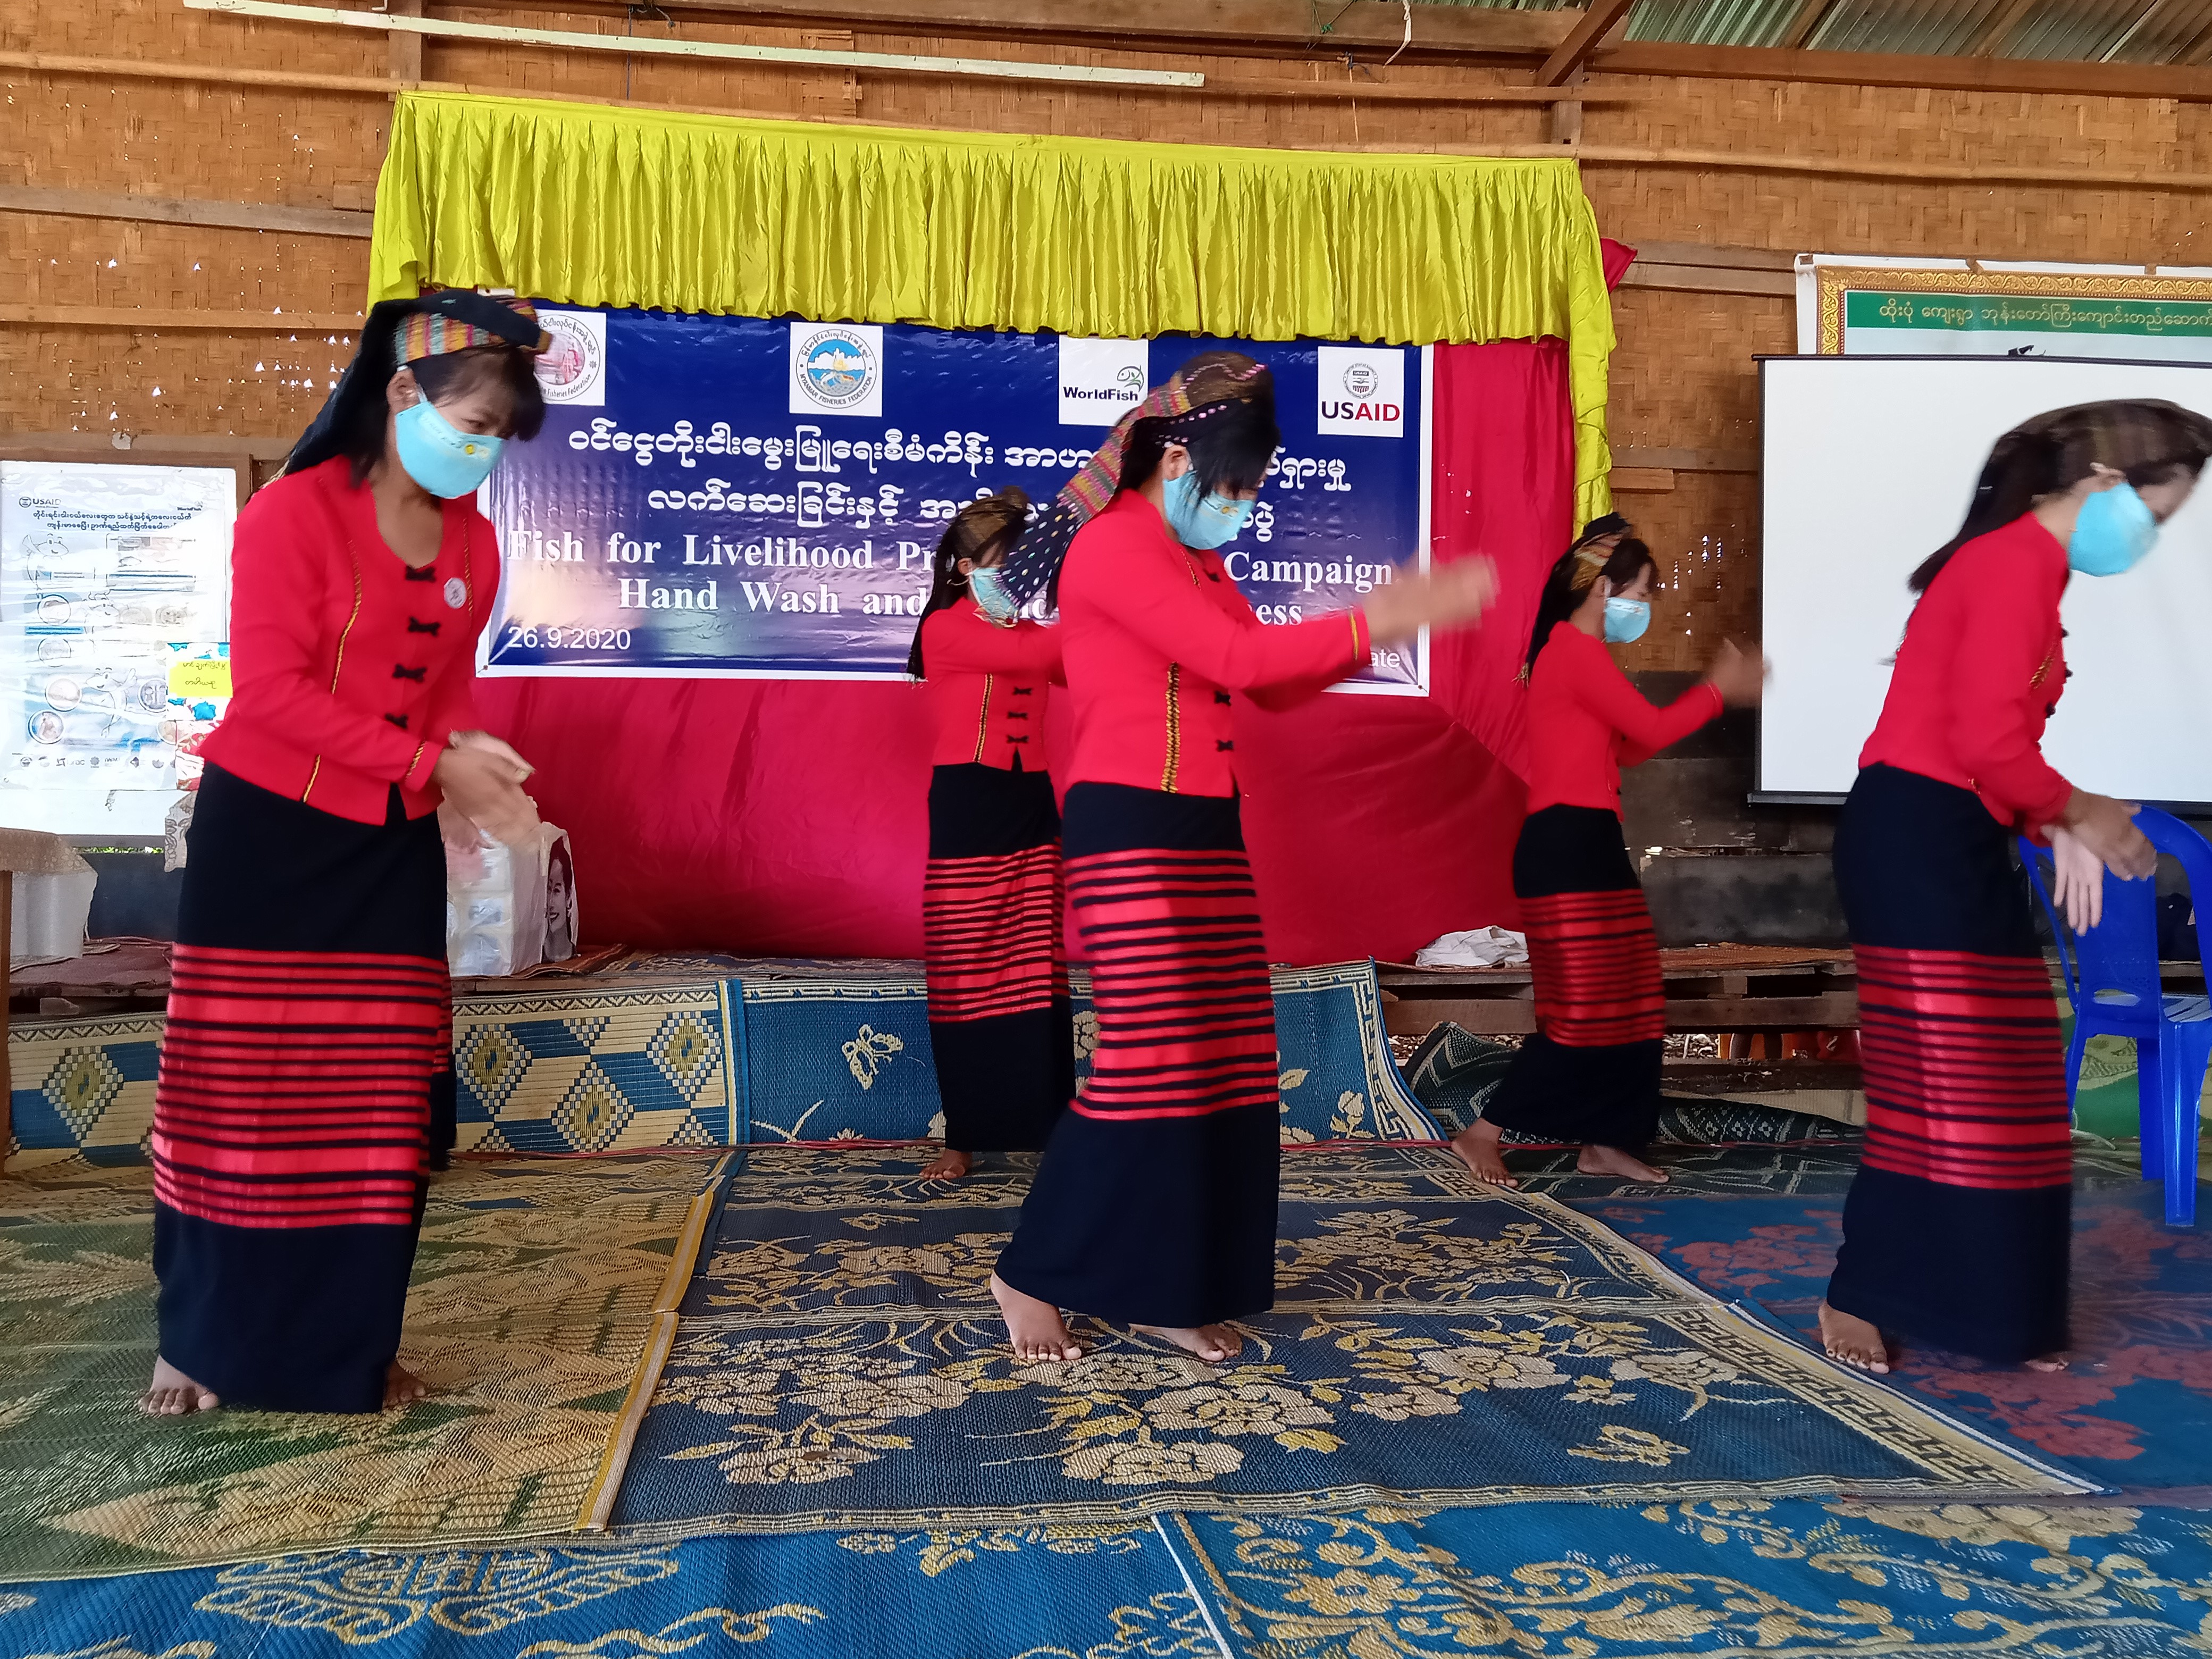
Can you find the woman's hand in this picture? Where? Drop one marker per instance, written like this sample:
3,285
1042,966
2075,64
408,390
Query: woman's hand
485,787
1450,596
490,745
1739,676
2107,828
2077,880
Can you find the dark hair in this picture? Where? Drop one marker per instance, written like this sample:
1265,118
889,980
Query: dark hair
2147,439
1231,444
450,374
1562,598
990,524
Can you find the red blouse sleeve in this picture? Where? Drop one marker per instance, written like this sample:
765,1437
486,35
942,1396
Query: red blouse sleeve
1152,593
2007,636
279,665
960,639
1645,730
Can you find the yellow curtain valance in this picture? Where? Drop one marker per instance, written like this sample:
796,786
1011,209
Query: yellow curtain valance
602,207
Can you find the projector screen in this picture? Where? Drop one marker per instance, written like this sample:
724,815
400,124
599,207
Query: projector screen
1867,466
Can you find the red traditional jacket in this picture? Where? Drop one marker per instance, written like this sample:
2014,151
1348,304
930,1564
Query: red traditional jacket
349,670
989,688
1979,676
1156,637
1586,721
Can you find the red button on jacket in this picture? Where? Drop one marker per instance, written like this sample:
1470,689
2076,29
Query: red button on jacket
349,671
989,687
1979,674
1586,721
1155,637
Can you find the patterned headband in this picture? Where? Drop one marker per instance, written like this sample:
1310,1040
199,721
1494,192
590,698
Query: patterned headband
460,320
1224,379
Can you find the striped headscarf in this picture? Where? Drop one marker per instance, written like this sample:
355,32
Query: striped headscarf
433,329
1203,389
402,331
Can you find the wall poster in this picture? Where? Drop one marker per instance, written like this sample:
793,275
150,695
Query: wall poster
114,623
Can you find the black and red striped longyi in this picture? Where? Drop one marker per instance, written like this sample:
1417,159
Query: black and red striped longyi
1155,1204
1958,1223
1001,1021
1590,1074
309,1032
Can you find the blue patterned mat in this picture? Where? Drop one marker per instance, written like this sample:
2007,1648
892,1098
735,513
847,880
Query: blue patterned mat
707,1051
1048,1593
1436,1342
1792,1579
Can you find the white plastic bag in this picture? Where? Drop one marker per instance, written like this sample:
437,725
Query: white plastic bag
1476,947
497,904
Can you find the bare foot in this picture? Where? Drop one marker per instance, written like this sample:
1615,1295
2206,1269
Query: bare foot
1037,1330
172,1393
402,1388
2050,1362
948,1165
1476,1146
1611,1160
1853,1340
1212,1343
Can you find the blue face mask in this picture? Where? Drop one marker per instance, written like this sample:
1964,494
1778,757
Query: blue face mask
445,460
1625,620
1202,521
989,588
2113,533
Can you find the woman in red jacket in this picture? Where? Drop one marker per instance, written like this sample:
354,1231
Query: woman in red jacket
1591,1074
1000,1024
1957,1224
306,1077
1155,1203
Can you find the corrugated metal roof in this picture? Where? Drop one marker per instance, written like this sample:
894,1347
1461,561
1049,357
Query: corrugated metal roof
1713,22
2084,31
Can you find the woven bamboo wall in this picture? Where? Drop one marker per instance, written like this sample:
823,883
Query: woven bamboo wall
1683,378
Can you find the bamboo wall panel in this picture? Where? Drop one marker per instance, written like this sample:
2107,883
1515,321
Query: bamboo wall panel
1683,377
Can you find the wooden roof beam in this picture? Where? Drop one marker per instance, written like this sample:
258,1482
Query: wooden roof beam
1998,28
1859,69
1571,53
1371,30
1808,18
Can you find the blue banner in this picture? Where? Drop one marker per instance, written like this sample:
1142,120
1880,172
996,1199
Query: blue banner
731,495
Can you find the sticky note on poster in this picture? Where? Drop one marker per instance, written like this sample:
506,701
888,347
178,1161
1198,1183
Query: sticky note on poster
199,680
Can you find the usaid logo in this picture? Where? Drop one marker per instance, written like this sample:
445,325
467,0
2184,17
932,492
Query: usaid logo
1361,392
572,369
1102,380
837,369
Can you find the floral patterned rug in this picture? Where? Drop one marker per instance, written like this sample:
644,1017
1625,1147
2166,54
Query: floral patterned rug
542,1305
2133,1410
1434,1341
1788,1579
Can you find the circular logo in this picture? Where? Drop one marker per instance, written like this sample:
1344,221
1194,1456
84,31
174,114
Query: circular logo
457,592
837,367
1360,380
570,366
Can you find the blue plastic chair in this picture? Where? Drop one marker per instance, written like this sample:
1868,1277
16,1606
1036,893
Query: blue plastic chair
2112,980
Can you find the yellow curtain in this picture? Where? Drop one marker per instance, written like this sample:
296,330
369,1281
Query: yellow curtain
596,206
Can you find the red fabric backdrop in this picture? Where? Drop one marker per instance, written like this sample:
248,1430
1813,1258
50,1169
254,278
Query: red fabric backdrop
787,817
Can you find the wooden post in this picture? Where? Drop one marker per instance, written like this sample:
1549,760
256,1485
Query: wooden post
406,46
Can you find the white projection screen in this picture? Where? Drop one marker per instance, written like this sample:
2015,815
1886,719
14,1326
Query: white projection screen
1867,466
